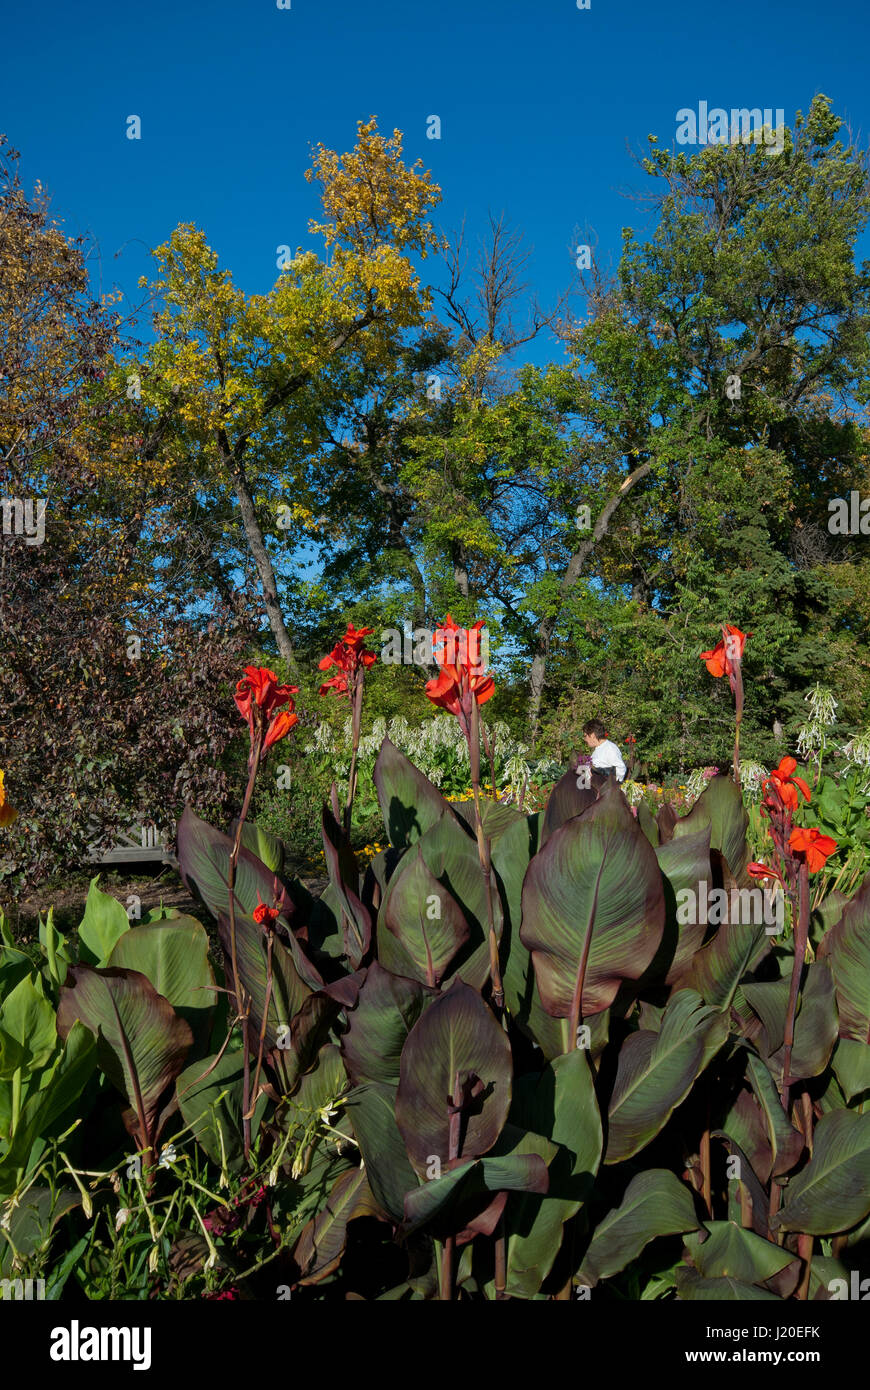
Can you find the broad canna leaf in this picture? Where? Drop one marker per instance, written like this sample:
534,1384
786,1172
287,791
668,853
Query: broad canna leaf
344,878
655,1204
446,1196
851,1063
510,861
716,970
685,866
319,1249
593,909
173,954
832,1193
387,1008
691,1286
815,1029
210,1094
728,1251
561,1105
457,1034
409,802
263,845
27,1019
451,857
204,861
425,918
51,1106
655,1072
288,991
497,818
720,806
104,922
142,1044
567,799
846,945
744,1186
371,1109
785,1142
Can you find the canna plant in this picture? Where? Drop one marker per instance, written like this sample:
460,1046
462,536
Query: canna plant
551,1078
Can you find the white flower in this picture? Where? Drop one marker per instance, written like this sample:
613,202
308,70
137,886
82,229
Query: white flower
122,1217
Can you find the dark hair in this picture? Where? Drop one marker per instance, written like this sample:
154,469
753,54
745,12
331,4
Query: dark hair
595,726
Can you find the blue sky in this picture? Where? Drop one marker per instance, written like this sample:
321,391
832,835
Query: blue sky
541,106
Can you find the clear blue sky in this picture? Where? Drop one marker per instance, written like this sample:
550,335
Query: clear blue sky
541,106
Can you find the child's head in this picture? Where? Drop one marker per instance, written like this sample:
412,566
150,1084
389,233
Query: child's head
594,732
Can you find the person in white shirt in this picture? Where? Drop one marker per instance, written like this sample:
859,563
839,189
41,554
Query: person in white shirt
606,757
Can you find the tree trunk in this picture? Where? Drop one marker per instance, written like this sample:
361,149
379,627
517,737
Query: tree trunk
263,563
572,573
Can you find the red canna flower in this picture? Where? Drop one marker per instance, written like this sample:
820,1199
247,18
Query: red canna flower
720,661
350,656
814,845
258,696
461,678
787,785
265,916
756,870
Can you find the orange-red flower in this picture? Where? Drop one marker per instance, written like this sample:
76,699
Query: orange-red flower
350,656
462,677
258,696
265,916
814,845
787,785
756,870
719,660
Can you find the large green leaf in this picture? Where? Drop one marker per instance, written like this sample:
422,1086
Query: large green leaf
451,857
387,1009
730,1251
851,1063
27,1018
210,1094
655,1204
815,1029
204,860
559,1104
786,1144
409,802
173,954
685,866
720,806
457,1034
371,1109
103,923
263,844
655,1072
692,1286
510,861
514,1172
27,1224
717,968
497,818
424,917
54,1105
319,1249
141,1042
593,909
832,1193
847,946
344,877
568,798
